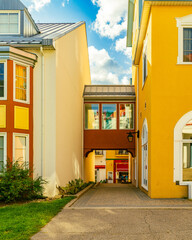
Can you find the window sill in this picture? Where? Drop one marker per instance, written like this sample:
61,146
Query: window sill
20,101
184,63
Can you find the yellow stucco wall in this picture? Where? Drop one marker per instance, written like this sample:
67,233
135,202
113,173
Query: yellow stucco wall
164,99
21,117
2,116
90,167
171,98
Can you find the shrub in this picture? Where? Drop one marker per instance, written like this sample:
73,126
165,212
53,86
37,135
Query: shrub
75,186
16,184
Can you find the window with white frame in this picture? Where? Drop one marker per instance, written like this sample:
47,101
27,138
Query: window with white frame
21,148
21,83
3,151
9,22
3,80
187,152
184,25
145,155
145,61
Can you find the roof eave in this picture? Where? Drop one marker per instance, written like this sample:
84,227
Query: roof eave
78,24
144,22
130,22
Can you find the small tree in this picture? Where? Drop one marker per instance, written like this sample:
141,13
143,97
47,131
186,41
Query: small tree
16,183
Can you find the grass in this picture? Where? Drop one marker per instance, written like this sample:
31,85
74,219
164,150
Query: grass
22,221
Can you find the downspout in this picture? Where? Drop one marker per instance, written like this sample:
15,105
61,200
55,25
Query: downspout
42,110
82,139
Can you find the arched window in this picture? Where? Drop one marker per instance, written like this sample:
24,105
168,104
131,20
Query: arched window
183,150
187,152
145,155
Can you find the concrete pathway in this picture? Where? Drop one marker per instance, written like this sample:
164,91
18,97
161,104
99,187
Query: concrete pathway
124,196
97,215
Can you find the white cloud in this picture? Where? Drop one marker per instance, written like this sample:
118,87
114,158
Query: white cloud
111,17
120,46
104,70
125,81
63,3
38,4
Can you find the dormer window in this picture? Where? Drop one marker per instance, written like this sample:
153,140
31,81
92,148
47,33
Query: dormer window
9,22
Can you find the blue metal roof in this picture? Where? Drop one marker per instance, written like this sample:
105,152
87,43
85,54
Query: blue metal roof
49,32
11,5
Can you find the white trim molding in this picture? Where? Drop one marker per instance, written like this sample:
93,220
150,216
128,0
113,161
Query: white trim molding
5,79
178,152
28,82
19,21
182,22
4,134
144,144
27,145
143,55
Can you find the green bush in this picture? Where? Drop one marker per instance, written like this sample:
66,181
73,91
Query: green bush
16,184
75,186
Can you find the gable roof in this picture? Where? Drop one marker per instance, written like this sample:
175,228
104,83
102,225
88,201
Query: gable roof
49,32
11,5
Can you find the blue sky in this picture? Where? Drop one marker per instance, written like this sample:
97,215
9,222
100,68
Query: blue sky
106,22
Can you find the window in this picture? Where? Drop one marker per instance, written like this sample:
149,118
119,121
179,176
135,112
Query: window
187,44
99,152
145,155
21,84
3,80
187,152
126,116
91,116
121,152
9,23
145,61
21,148
184,25
109,116
3,150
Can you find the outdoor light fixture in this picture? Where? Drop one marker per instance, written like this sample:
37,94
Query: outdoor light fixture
130,135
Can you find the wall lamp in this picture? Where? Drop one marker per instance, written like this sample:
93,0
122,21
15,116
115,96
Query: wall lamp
130,135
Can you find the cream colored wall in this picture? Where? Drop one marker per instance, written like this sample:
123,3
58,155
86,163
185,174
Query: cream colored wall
66,71
100,160
49,126
72,73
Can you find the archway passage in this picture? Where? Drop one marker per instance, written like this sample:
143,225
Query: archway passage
110,166
109,116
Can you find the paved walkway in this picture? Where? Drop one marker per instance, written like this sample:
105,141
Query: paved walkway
97,215
124,196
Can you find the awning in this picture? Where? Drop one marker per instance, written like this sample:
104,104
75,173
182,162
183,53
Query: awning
122,167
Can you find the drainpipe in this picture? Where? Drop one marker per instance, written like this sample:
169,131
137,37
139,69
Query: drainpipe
42,110
82,139
137,178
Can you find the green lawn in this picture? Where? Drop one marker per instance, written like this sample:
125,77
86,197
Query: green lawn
20,222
